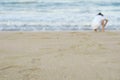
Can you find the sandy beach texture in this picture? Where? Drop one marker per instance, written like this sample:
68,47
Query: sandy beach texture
59,56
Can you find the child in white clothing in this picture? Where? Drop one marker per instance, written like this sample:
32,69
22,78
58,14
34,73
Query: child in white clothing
99,21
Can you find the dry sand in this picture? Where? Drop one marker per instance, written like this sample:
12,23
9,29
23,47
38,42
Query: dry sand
59,56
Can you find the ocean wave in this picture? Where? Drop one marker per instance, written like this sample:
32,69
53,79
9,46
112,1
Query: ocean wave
57,14
108,4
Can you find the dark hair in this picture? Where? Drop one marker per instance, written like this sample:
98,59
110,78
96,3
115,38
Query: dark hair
100,14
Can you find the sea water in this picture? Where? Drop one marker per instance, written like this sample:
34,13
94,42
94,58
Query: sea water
56,15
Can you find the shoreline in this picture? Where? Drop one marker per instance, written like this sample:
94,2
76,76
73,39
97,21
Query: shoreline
66,31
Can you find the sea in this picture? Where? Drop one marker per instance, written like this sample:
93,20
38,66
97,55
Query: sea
56,15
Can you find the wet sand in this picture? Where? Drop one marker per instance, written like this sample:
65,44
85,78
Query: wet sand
59,56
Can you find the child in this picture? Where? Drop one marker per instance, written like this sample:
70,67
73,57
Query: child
99,21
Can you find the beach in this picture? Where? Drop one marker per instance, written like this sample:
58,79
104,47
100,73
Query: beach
60,55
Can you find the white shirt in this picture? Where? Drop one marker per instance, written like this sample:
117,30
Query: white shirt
97,20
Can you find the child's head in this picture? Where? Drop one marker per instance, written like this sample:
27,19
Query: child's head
100,14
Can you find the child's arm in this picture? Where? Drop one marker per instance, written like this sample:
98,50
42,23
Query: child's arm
105,22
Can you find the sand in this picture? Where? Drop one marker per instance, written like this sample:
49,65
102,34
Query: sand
59,56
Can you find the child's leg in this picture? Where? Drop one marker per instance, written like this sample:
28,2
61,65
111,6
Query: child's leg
103,29
103,26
